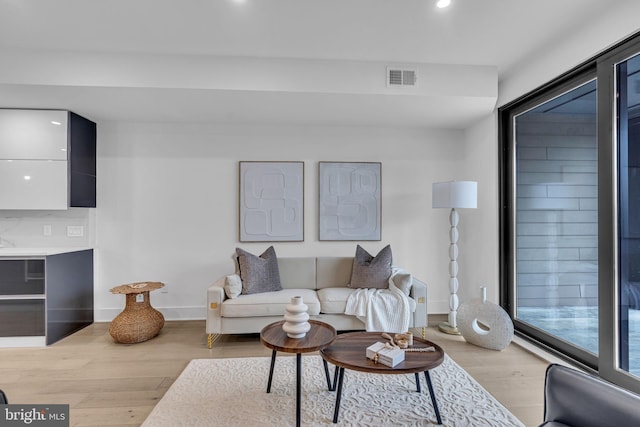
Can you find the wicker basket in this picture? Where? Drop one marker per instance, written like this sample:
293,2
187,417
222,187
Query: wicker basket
138,321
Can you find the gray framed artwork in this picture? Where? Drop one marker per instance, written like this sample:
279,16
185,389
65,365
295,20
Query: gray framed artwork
271,201
350,201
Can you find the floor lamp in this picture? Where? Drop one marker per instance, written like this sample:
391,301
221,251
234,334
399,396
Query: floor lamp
453,195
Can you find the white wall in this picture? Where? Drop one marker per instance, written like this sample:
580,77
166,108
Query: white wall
168,194
479,240
585,42
168,203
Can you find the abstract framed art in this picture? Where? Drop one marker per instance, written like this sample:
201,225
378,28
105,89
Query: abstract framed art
350,201
271,201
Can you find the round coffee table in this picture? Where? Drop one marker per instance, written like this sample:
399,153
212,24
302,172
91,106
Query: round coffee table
348,351
319,336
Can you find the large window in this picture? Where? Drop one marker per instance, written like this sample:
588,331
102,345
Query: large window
628,137
555,218
570,223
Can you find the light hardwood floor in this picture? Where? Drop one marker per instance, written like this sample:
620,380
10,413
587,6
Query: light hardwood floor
108,384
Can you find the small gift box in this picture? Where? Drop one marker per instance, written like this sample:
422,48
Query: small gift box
387,356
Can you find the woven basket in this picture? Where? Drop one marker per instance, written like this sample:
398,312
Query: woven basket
138,321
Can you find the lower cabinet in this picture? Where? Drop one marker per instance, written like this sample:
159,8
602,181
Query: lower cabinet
45,298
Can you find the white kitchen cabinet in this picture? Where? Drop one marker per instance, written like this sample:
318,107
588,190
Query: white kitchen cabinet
33,184
33,134
47,160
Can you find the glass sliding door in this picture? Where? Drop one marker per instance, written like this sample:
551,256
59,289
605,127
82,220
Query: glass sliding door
628,137
556,221
570,214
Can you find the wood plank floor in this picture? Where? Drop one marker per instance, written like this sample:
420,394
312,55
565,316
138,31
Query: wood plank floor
108,384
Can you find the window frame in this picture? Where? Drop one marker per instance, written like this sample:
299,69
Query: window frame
601,67
508,273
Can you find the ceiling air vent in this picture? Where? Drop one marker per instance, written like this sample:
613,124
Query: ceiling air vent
400,77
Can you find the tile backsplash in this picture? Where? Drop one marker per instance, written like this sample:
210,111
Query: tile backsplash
27,229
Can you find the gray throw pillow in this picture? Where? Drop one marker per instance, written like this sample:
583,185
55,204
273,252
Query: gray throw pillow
369,271
259,273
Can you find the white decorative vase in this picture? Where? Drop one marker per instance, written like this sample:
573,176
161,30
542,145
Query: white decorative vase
296,318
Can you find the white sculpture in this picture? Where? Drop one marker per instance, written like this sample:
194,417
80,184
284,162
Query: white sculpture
484,323
296,318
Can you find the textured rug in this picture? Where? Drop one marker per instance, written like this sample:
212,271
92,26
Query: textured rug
232,392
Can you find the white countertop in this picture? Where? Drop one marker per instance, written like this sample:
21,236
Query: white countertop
24,252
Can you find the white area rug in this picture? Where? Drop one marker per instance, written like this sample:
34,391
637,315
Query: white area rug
232,392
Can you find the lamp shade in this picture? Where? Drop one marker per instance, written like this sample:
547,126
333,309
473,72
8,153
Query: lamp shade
454,194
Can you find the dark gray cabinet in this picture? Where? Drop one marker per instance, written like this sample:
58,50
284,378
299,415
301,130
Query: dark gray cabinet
82,162
45,298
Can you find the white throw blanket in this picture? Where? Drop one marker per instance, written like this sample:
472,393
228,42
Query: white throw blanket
381,310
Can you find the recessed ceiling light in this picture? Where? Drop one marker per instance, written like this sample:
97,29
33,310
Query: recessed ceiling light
443,3
55,123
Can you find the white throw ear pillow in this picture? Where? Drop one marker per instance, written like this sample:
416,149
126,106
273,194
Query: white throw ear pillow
232,286
403,281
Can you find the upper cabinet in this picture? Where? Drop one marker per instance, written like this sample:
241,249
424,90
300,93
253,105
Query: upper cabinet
33,135
47,160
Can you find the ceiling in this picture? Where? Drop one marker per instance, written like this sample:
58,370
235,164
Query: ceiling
315,35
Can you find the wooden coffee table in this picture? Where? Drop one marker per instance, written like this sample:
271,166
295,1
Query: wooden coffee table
348,351
319,336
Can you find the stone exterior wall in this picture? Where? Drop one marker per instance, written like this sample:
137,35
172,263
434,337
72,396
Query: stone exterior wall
556,212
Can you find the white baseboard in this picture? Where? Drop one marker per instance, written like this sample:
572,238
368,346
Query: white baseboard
437,306
16,342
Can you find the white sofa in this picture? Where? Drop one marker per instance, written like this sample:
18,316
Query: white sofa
323,284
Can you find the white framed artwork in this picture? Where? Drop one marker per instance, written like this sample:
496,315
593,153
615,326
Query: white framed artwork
350,201
271,201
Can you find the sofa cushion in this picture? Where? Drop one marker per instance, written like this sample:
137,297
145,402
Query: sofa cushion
334,300
333,271
269,303
369,271
297,273
259,273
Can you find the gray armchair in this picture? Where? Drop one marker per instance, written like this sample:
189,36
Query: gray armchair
575,399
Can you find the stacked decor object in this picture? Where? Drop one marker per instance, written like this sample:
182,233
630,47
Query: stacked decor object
296,318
